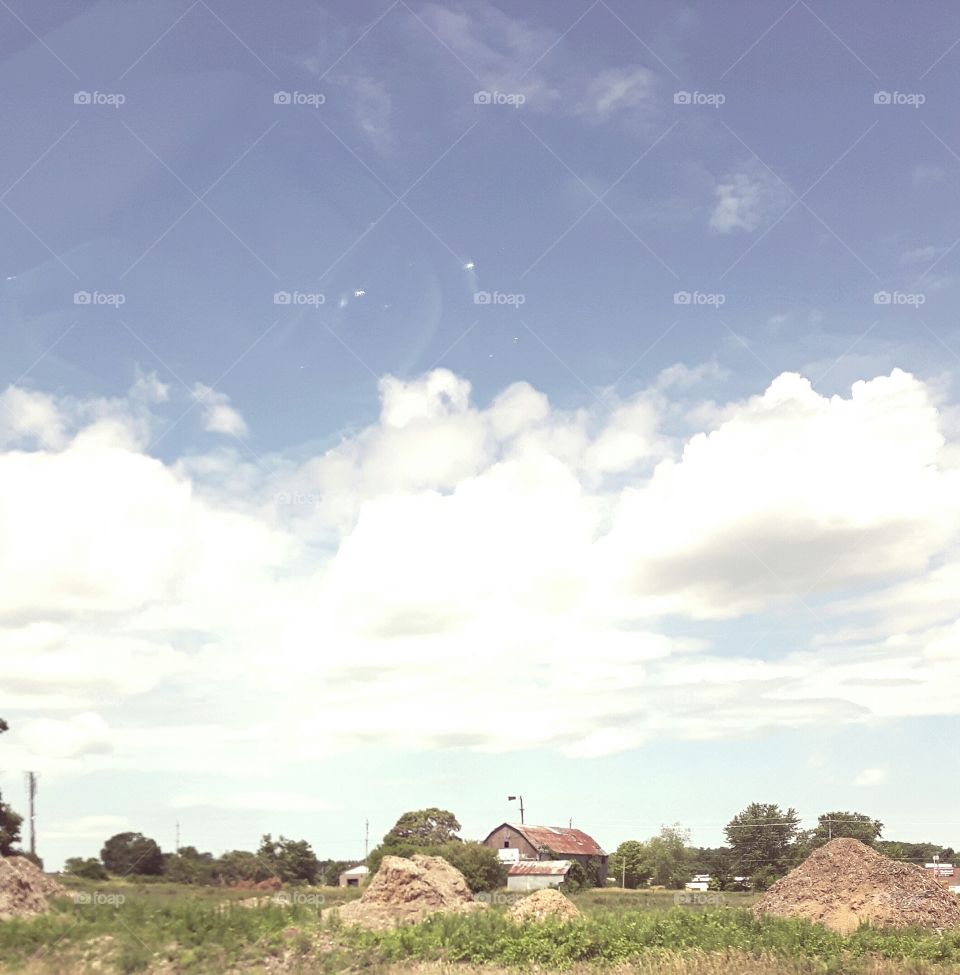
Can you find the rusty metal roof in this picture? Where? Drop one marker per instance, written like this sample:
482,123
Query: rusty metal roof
560,839
539,868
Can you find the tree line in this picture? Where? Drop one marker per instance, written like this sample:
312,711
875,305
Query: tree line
764,842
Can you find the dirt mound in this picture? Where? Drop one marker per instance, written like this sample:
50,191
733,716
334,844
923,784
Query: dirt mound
24,888
846,882
543,904
406,891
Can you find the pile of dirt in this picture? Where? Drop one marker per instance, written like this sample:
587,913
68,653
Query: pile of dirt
846,882
24,888
543,904
406,891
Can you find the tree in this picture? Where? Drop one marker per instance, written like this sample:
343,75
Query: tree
480,866
576,878
719,866
629,865
666,857
857,826
3,726
90,868
189,866
761,836
424,827
9,828
132,853
291,860
239,866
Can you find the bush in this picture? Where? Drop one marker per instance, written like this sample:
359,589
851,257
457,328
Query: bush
90,868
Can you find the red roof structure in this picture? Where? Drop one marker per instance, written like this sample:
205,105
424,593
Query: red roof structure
560,840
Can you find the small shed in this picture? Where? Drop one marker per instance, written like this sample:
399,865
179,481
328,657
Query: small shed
537,874
355,876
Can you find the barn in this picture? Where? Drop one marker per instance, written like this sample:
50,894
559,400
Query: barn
528,843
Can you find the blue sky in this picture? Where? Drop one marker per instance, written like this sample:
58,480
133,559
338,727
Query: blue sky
409,404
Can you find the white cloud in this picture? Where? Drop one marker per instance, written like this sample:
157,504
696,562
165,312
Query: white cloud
921,255
286,802
619,90
82,734
447,542
747,198
871,776
218,415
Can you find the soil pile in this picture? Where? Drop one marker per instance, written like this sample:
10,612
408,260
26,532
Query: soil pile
846,882
24,888
406,891
543,904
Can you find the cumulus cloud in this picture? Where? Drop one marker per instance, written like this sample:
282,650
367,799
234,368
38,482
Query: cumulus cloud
218,415
448,541
746,198
871,776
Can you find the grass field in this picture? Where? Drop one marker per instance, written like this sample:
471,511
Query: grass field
165,928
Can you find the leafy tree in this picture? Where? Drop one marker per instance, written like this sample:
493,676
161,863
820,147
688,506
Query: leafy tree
291,860
629,865
189,866
666,857
239,866
90,868
576,878
914,852
480,866
3,726
132,853
763,878
720,867
761,836
9,828
857,826
424,827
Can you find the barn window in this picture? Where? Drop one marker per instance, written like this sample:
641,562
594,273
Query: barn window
506,844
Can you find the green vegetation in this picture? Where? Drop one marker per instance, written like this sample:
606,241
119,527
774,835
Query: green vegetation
435,832
619,936
132,853
133,926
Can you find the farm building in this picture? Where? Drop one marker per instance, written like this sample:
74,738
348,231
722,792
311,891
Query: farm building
548,843
537,874
354,877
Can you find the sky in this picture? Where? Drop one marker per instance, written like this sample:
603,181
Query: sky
412,404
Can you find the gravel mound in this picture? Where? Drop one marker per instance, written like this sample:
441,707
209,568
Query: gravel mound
543,904
406,891
845,883
24,888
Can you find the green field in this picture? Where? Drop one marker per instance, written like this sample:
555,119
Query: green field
166,928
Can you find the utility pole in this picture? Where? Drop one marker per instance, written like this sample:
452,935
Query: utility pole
511,799
366,840
32,794
176,849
